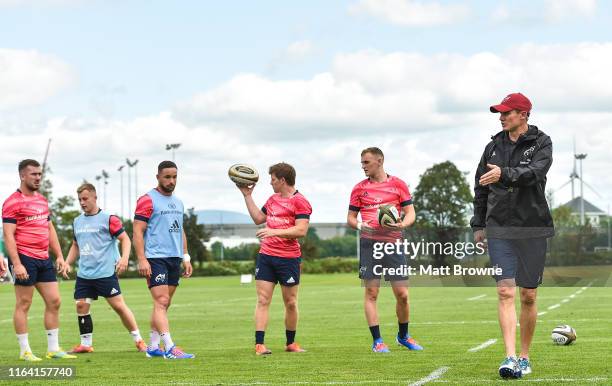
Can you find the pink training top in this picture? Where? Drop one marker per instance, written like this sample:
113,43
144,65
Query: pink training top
367,196
281,213
31,215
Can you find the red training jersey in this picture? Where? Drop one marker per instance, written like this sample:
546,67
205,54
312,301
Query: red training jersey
367,196
281,213
31,215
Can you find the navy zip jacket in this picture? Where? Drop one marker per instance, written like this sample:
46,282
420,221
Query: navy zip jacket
515,207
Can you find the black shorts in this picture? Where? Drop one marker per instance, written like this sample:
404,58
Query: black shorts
521,260
164,271
377,264
39,271
283,270
107,287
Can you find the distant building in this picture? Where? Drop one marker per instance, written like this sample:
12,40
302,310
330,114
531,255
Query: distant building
592,214
246,232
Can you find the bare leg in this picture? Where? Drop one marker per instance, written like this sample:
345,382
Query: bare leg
529,315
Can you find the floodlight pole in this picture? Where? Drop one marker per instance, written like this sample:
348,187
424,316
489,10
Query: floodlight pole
120,170
173,147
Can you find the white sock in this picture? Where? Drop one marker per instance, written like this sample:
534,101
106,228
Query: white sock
87,339
53,340
167,339
24,345
136,335
155,339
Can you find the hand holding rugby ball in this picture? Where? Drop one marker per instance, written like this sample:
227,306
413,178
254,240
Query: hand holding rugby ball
387,215
243,175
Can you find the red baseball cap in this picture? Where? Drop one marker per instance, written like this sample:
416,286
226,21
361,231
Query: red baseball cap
516,101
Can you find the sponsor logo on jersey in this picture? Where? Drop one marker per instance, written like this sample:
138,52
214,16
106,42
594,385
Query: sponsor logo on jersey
86,250
175,227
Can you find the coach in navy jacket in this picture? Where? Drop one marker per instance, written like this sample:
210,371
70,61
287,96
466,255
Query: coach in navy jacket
511,211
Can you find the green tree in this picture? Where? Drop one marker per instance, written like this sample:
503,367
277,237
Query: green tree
63,213
442,201
197,235
310,244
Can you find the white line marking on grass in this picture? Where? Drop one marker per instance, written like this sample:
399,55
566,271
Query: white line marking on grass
431,377
484,345
554,306
572,296
477,297
537,380
542,313
565,300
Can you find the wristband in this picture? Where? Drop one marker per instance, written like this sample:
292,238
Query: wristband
186,257
359,226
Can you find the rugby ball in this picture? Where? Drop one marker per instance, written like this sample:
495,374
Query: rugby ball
243,174
563,335
387,214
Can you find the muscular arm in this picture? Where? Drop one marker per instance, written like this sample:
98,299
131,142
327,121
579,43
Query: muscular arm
72,253
10,243
351,219
409,216
257,215
54,244
126,245
138,238
185,250
300,229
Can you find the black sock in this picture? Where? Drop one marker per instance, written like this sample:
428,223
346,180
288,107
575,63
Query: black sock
259,337
85,324
403,330
290,336
375,331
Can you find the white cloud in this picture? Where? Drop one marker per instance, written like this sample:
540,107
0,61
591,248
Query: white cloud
369,91
420,109
562,10
29,78
551,12
410,12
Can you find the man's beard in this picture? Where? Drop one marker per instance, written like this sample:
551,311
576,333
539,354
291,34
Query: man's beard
167,190
32,187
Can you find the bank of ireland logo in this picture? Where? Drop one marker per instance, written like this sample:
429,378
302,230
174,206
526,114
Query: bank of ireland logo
175,227
160,278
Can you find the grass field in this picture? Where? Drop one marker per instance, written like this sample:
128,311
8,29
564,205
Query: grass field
212,317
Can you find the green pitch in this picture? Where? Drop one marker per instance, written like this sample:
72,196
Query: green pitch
212,317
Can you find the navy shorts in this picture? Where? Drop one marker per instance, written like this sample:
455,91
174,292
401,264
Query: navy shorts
107,287
521,260
164,271
393,267
39,271
283,270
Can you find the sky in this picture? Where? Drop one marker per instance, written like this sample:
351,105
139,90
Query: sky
310,83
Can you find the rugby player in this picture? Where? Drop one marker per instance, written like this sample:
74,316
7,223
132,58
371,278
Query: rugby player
28,235
367,196
286,215
161,247
95,243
